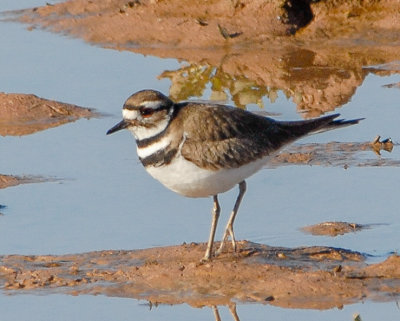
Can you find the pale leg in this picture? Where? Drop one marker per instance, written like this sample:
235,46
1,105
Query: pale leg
215,212
229,226
216,313
232,309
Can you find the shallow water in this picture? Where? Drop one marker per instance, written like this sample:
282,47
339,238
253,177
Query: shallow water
105,200
61,307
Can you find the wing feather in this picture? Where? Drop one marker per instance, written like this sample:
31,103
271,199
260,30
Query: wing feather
224,137
219,136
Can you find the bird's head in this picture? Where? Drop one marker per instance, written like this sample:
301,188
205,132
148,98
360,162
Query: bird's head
145,113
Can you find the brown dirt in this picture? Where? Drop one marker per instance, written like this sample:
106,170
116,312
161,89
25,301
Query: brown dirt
333,228
10,180
313,51
316,277
22,114
316,79
338,154
218,23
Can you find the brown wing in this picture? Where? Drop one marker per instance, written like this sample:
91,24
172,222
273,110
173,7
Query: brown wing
223,137
226,137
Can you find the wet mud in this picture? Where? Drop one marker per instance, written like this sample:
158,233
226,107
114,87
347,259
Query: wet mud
315,277
338,154
316,80
23,114
11,180
26,114
217,23
334,228
316,52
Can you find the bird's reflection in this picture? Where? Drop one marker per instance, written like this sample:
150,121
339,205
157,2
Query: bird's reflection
232,310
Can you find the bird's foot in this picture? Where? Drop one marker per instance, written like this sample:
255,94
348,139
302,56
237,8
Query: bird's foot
228,232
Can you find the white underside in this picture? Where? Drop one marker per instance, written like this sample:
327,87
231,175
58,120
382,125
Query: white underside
185,178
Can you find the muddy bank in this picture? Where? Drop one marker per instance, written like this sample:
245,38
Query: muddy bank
351,154
11,180
316,277
334,228
316,79
315,52
208,24
22,114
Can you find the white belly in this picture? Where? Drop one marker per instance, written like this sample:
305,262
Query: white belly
185,178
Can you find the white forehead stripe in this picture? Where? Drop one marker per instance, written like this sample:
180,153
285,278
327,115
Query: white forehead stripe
129,114
151,104
143,152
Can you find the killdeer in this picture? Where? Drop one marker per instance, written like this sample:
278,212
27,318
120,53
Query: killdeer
204,149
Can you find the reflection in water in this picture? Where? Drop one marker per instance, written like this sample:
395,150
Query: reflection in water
316,81
338,154
335,228
215,309
12,180
395,85
378,145
254,53
311,98
325,277
192,80
232,310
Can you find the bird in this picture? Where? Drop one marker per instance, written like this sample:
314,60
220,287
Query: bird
203,149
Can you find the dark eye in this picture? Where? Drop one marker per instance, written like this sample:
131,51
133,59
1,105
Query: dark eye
146,112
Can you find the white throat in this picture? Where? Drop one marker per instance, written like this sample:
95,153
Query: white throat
141,132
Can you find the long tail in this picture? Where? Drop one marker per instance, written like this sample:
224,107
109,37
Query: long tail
317,125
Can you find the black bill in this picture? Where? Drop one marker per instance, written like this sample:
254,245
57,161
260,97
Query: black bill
121,125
